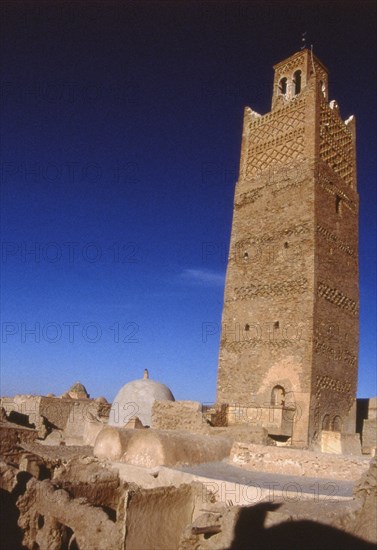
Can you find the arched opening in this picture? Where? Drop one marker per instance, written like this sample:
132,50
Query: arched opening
322,87
40,521
337,424
68,539
326,422
278,396
283,86
247,326
297,82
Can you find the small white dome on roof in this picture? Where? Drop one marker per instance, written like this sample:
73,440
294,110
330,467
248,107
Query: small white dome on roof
136,398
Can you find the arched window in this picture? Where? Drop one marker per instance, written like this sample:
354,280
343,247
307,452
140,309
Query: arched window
297,82
322,87
337,424
283,86
278,396
326,422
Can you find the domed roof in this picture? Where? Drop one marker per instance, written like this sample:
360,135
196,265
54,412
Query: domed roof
77,391
78,388
136,398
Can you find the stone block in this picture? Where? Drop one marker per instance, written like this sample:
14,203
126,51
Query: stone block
369,435
339,443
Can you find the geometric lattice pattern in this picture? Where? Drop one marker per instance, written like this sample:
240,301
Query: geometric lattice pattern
276,138
291,65
328,383
336,147
280,122
337,298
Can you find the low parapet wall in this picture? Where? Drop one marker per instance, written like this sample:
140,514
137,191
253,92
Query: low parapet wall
283,460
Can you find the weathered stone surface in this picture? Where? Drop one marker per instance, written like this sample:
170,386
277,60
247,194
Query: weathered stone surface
12,435
155,518
91,428
87,477
49,517
369,436
339,443
3,415
365,525
179,415
86,503
297,462
48,413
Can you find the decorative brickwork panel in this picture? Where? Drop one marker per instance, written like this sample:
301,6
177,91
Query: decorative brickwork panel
291,65
337,298
336,144
293,230
332,238
276,138
283,288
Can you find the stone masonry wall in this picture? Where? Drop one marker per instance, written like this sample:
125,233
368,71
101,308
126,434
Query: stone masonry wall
179,415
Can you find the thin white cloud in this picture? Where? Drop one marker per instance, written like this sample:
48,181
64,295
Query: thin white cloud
203,277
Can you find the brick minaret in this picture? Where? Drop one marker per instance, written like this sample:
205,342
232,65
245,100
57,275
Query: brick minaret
290,319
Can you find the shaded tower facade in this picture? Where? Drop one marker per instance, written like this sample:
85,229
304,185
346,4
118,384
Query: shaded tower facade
289,342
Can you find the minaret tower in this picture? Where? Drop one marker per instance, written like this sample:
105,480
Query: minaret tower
289,343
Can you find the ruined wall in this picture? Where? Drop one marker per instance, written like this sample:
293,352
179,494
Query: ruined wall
156,518
12,435
70,416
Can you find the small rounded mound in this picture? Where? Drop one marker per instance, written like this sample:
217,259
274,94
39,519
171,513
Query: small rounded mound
136,398
101,399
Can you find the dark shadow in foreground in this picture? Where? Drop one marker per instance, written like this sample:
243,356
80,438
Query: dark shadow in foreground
11,534
251,533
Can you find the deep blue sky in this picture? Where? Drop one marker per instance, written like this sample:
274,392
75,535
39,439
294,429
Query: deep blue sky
121,134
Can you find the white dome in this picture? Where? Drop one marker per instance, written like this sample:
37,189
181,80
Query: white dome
136,398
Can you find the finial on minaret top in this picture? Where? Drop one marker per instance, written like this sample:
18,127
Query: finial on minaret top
146,374
303,41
